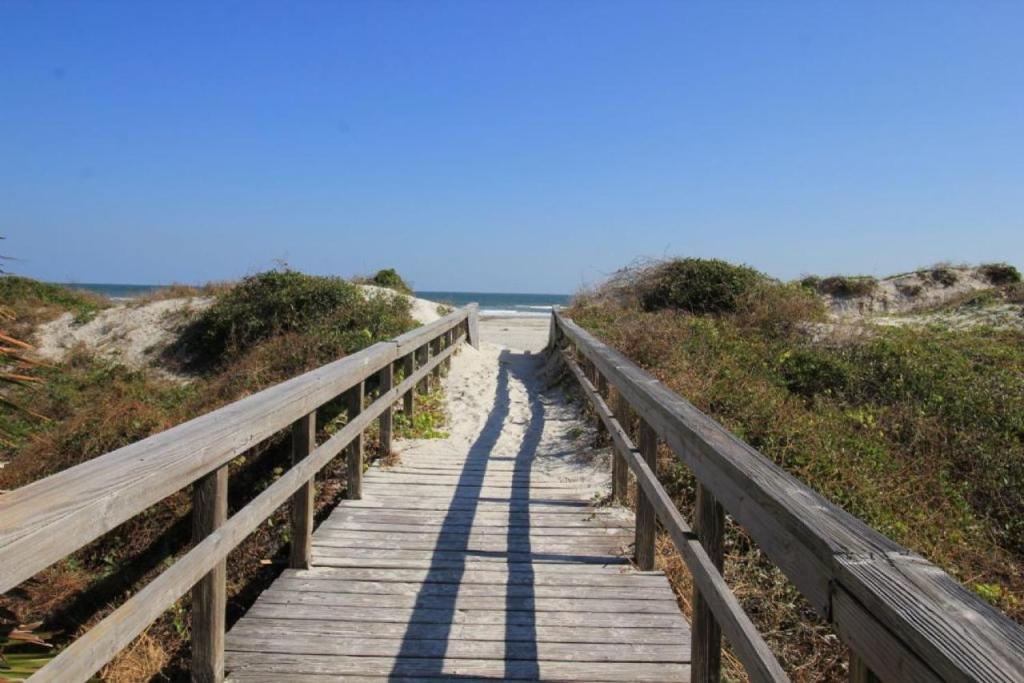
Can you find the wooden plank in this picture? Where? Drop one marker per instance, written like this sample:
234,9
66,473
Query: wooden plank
354,451
51,518
709,525
498,575
341,628
397,531
416,667
209,595
491,590
303,502
473,325
646,520
422,356
859,671
620,470
262,638
409,398
385,380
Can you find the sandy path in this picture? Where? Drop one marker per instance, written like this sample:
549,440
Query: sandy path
498,399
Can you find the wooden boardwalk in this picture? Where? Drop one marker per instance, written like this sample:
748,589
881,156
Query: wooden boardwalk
471,566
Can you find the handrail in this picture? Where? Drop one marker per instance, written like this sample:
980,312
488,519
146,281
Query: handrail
47,520
902,617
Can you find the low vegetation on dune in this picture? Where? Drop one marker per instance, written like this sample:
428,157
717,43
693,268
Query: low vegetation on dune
388,278
265,329
918,431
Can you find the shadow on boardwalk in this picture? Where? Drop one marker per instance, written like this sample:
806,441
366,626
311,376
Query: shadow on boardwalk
454,538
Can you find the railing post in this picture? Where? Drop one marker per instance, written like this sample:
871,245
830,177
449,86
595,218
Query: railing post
620,470
859,671
435,349
422,355
409,400
709,525
354,451
209,596
646,520
386,380
473,327
303,501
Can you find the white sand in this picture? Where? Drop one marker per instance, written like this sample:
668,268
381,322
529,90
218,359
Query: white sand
130,334
908,292
521,333
497,399
422,310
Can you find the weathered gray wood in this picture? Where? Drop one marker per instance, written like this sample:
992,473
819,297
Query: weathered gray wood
209,595
620,470
921,612
82,658
473,325
303,502
354,452
409,398
646,521
422,356
51,518
709,525
435,375
304,665
386,378
859,671
747,643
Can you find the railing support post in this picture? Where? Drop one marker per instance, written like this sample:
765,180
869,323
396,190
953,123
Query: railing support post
435,350
620,469
209,596
409,400
859,671
646,520
386,380
303,501
422,355
709,525
354,451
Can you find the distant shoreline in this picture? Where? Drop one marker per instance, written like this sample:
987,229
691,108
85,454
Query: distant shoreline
492,304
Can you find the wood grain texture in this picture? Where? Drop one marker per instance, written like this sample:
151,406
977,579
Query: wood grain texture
303,442
918,620
209,596
385,380
709,525
646,520
354,451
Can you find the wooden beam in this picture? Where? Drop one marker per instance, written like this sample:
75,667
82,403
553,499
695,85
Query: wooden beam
473,325
409,399
620,470
303,502
209,596
646,520
354,451
709,525
422,356
385,380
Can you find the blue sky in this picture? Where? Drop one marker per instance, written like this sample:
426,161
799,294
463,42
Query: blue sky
516,146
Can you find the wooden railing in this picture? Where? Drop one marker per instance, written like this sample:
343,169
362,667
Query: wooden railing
903,618
49,519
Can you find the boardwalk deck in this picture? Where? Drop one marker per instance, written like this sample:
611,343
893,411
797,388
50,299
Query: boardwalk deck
468,565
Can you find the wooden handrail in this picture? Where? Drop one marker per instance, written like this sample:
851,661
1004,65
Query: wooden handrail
50,519
903,617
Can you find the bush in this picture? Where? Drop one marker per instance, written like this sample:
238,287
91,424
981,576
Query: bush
847,285
32,302
697,286
389,277
946,277
275,303
1000,273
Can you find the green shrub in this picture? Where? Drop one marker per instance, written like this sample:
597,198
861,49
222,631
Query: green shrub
813,371
847,285
274,303
946,277
32,301
697,286
387,277
1000,273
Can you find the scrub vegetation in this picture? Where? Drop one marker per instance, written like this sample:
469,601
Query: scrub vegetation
260,331
917,431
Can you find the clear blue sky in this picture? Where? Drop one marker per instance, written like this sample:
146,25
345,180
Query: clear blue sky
515,146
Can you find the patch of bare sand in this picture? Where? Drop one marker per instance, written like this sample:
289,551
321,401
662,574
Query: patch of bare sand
498,399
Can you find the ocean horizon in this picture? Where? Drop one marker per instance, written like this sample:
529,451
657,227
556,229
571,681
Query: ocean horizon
491,303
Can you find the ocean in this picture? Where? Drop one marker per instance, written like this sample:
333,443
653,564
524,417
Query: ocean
491,303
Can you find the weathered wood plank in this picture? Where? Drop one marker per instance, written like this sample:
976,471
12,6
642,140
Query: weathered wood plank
303,442
209,596
709,525
354,451
499,575
304,664
385,380
646,520
658,591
